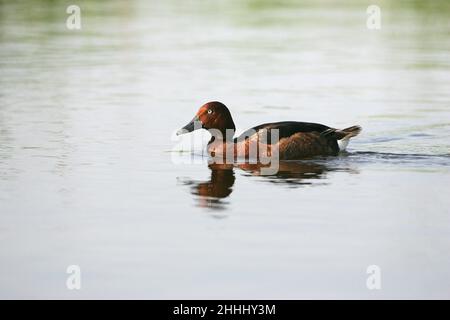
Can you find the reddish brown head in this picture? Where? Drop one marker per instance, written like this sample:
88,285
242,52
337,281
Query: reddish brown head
212,115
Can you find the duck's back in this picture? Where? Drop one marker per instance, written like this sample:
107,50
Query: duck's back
297,140
285,129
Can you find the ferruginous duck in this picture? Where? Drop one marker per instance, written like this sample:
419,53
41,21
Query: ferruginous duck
296,140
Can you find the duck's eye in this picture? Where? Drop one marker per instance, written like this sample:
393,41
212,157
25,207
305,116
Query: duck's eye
210,111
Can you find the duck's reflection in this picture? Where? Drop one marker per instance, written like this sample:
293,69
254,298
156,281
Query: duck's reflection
212,193
289,173
209,194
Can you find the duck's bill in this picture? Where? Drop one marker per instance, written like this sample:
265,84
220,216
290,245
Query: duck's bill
195,124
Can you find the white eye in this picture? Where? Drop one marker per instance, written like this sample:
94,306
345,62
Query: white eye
209,111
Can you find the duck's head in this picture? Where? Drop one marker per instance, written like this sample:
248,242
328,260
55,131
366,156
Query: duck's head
212,115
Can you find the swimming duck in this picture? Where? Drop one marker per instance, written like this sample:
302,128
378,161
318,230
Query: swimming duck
296,140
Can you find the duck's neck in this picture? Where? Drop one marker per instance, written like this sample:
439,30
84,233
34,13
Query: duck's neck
227,136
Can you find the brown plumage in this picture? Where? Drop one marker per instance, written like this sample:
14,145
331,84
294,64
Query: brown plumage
296,140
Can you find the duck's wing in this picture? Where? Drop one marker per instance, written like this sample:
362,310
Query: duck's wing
286,129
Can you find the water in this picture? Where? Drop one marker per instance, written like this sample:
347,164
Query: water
91,172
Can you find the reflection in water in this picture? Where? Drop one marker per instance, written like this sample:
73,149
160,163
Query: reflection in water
210,194
289,172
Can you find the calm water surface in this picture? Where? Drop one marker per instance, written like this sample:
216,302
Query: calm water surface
91,172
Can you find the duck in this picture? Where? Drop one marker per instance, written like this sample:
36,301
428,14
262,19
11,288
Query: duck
295,141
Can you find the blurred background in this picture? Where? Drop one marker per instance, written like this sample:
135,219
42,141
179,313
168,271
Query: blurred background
91,173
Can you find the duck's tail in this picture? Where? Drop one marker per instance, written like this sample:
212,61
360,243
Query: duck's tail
348,133
343,135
